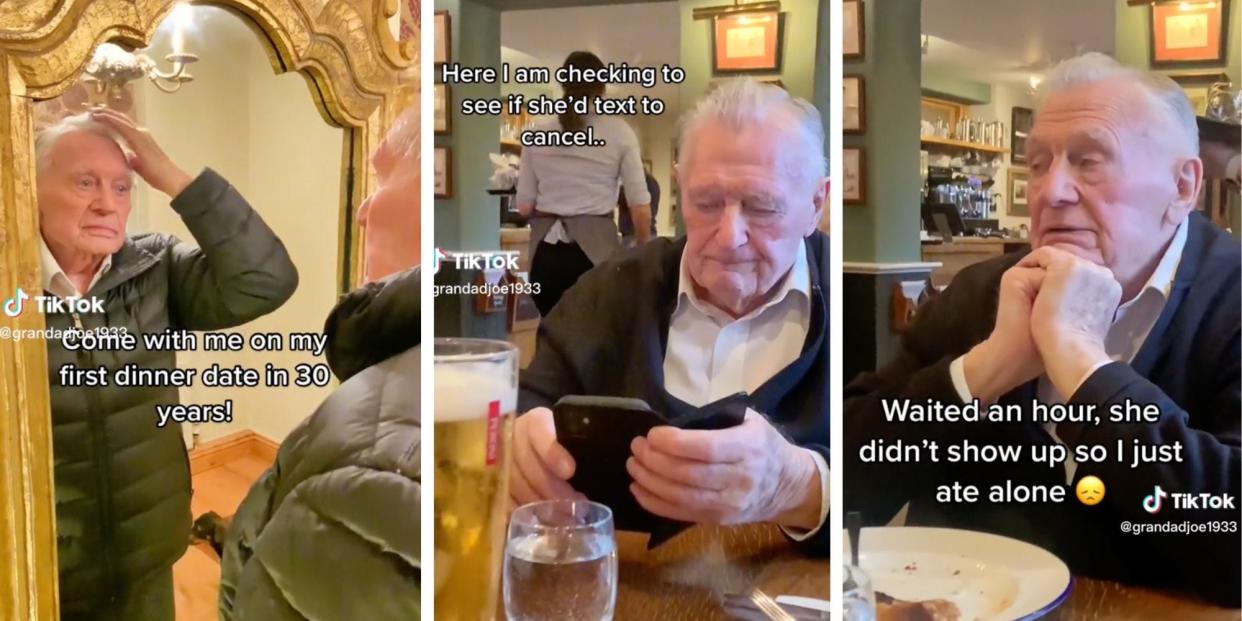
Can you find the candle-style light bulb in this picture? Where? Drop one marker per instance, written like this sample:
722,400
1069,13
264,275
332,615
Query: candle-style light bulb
181,20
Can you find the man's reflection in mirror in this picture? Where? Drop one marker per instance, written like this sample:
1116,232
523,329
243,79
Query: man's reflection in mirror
122,482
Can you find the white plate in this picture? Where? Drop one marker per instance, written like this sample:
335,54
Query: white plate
989,577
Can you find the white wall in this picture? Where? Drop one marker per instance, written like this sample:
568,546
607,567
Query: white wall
656,136
1004,99
263,133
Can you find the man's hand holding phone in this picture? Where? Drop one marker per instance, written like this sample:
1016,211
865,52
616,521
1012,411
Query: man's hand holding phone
541,466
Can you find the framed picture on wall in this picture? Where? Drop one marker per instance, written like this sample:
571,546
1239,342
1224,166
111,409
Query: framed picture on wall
1197,86
852,39
853,168
443,183
443,115
854,107
1017,192
443,34
1188,34
1021,120
747,43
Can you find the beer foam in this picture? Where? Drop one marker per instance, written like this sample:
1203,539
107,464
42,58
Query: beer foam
464,390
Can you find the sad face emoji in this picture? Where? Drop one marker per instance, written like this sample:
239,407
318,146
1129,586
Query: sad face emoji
1090,491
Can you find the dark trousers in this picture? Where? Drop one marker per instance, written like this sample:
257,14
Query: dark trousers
149,599
556,267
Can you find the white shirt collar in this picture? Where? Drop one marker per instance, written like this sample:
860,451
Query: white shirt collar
1161,279
57,282
796,281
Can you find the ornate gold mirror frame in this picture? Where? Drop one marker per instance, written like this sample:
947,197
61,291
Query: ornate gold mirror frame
346,52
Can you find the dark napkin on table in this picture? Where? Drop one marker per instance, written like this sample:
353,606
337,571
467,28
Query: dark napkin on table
597,432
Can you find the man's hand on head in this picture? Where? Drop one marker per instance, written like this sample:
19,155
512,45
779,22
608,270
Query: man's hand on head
1071,315
148,160
748,473
1008,357
541,466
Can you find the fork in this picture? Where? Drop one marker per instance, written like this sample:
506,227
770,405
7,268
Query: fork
768,606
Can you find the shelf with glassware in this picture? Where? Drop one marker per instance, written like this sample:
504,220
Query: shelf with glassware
945,124
961,144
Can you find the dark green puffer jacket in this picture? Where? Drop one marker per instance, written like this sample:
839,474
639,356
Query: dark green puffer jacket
331,531
122,483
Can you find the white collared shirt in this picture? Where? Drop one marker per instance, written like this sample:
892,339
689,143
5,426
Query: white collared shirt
56,282
574,181
711,355
1131,326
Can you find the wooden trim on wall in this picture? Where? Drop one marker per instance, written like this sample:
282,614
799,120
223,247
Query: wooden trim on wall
225,449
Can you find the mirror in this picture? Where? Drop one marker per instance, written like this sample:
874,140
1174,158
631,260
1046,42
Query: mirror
284,103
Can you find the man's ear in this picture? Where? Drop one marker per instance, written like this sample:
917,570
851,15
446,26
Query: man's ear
1188,177
820,201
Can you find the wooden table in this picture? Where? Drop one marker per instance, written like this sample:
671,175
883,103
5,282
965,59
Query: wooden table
963,252
1099,600
686,577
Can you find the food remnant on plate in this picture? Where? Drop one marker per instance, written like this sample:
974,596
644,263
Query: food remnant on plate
889,608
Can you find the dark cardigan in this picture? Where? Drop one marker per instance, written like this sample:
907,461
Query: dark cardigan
607,337
1188,367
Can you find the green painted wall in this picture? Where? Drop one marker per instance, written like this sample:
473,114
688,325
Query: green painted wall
1133,48
470,220
822,85
956,89
798,60
886,228
1132,45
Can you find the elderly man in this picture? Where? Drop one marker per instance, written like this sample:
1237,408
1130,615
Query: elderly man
1126,297
739,304
123,481
347,479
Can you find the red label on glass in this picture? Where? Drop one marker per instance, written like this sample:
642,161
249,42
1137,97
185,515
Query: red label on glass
493,431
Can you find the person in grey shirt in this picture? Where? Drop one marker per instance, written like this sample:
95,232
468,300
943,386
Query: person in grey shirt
569,193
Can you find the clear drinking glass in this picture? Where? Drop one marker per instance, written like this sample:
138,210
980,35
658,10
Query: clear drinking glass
561,562
476,395
858,598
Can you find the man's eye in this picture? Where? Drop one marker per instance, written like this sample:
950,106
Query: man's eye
122,189
86,183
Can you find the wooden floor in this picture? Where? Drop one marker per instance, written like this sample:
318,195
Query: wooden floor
196,577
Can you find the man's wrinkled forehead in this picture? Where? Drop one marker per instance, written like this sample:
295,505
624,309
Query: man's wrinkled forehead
1099,110
85,151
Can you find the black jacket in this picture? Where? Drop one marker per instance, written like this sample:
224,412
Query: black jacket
331,530
1189,367
607,337
122,482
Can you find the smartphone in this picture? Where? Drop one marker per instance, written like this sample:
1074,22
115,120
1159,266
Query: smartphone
597,432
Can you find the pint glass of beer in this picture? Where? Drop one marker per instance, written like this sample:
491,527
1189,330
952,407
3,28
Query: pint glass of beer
476,395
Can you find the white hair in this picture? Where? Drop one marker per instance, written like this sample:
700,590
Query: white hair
746,102
403,137
83,122
1164,95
